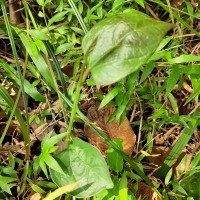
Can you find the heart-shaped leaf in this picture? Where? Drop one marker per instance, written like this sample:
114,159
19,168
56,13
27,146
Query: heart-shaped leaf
83,163
120,44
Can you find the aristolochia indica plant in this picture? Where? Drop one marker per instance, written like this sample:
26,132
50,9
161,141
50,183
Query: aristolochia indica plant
120,44
113,48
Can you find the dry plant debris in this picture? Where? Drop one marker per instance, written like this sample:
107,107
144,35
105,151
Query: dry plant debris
112,130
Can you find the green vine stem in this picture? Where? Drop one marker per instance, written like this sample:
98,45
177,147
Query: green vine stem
82,78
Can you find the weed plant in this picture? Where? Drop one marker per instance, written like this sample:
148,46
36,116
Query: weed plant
57,56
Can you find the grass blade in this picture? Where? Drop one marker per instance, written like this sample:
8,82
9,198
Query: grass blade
57,67
9,101
39,61
176,151
29,89
78,16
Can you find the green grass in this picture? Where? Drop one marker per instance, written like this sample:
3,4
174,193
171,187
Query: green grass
155,98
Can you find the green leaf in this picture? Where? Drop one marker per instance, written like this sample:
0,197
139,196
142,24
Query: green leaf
120,44
9,101
4,183
84,163
123,190
176,150
172,80
40,2
52,163
140,2
63,47
60,191
185,58
38,60
168,177
41,46
115,161
58,17
36,188
46,184
147,70
196,161
29,89
193,95
42,164
78,30
49,142
110,95
191,184
38,34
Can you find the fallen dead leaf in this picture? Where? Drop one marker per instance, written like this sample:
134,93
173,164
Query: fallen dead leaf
36,196
112,129
158,155
145,192
186,167
176,3
41,131
14,16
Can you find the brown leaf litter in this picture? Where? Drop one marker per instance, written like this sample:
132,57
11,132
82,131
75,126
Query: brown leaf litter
145,192
112,130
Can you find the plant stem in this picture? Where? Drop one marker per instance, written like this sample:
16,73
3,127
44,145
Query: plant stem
21,79
82,79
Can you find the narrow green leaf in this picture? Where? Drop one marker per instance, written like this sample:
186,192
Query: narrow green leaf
115,161
9,101
176,151
190,69
29,89
52,163
42,164
58,17
185,58
52,141
193,95
63,47
172,80
173,103
191,184
140,2
110,95
60,191
147,70
39,61
168,177
78,30
123,190
196,161
38,34
41,46
36,188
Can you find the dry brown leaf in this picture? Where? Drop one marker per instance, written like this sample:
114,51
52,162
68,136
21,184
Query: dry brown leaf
145,191
14,16
14,148
41,131
36,196
186,167
176,3
112,129
158,155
